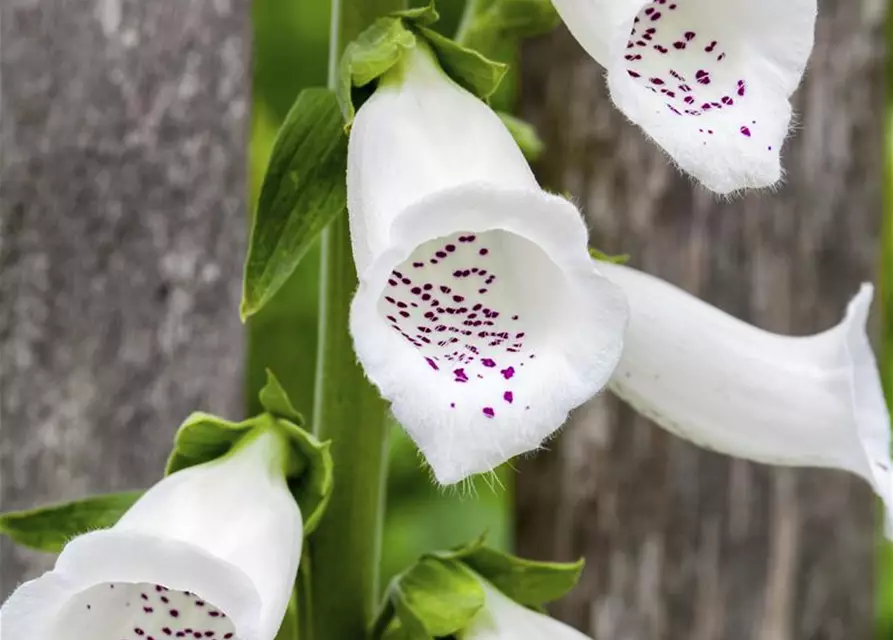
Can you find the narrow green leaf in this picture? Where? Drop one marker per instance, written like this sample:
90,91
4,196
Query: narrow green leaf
472,70
623,258
525,135
274,399
302,191
50,528
435,597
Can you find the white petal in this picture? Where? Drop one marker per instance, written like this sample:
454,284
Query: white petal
479,314
114,585
504,619
731,387
419,134
219,541
709,82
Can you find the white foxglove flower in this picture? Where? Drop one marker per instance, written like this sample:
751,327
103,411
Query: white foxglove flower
501,618
731,387
209,552
709,81
479,313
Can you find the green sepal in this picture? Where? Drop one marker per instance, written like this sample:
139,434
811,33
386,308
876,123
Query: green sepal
601,256
471,69
488,24
204,437
382,45
528,582
375,51
51,527
274,399
525,135
435,597
302,191
424,16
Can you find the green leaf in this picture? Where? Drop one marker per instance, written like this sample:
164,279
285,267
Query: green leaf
303,190
488,24
525,135
375,51
477,73
204,437
274,399
50,528
623,258
435,597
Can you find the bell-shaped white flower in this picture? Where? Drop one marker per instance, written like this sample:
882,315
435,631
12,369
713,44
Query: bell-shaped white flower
708,81
479,314
209,552
501,618
728,386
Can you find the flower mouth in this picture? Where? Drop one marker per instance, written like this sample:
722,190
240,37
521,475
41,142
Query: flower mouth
484,322
474,306
140,611
689,61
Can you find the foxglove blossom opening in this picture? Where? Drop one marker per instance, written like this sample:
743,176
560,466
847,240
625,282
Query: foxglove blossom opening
501,618
731,387
209,552
479,314
708,81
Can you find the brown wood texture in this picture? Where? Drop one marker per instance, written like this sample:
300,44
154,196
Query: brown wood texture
682,543
122,188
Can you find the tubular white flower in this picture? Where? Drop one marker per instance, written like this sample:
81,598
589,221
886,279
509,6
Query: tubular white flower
709,81
209,552
479,313
501,618
728,386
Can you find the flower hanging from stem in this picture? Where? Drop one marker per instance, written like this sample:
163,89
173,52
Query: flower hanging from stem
709,81
479,313
209,552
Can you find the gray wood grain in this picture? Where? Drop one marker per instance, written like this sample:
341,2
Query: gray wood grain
683,543
122,187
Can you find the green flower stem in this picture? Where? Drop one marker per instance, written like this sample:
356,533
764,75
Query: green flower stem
346,549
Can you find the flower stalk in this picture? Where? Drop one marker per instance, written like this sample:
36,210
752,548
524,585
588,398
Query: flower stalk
345,551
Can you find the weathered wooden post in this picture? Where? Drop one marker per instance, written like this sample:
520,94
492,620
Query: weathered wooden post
682,543
122,205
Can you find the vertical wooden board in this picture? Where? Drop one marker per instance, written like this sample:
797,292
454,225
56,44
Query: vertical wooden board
683,543
122,196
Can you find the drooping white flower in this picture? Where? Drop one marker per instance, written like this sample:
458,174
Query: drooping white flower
479,314
709,81
731,387
209,552
501,618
